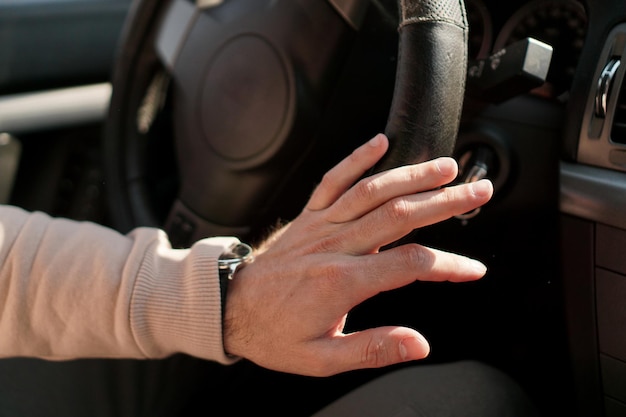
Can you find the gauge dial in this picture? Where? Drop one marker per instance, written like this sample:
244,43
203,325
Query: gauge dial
480,29
561,24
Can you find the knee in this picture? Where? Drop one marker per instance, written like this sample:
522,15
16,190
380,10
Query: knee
469,388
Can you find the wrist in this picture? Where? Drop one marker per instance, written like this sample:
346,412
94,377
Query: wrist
230,263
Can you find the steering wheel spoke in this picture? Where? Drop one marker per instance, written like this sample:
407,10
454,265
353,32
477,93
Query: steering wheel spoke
184,227
173,30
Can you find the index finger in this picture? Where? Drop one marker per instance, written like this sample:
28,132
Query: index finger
341,177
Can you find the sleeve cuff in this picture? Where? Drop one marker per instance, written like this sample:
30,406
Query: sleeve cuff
176,305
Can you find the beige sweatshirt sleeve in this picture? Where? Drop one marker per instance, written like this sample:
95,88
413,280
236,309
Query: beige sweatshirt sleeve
76,289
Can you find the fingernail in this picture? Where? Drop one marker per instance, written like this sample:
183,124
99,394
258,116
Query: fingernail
482,188
478,267
375,141
446,166
412,348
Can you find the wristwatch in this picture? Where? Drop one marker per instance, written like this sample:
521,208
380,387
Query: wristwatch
228,262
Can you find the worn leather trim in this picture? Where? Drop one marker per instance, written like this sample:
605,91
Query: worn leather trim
449,11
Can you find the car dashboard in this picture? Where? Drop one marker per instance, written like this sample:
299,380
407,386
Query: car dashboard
586,79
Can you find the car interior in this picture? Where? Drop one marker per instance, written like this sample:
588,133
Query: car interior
218,117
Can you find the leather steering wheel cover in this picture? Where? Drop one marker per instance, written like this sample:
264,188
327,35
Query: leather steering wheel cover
123,147
430,80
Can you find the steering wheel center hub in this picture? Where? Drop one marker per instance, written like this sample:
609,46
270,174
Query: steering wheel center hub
244,99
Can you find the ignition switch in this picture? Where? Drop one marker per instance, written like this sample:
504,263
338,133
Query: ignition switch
475,164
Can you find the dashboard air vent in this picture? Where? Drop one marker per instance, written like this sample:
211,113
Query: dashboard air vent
602,138
618,131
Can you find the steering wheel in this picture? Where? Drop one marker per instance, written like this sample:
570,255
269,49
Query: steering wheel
223,112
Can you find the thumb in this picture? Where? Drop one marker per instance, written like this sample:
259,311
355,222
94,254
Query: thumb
382,346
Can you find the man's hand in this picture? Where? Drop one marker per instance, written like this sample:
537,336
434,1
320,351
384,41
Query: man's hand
287,310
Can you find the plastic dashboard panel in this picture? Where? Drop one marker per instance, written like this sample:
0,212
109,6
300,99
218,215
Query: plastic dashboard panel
593,227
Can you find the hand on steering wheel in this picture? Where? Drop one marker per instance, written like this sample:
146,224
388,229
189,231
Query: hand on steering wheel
257,104
287,310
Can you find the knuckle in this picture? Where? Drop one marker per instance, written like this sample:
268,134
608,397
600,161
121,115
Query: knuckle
366,190
329,181
331,277
335,275
415,255
398,210
327,244
376,354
